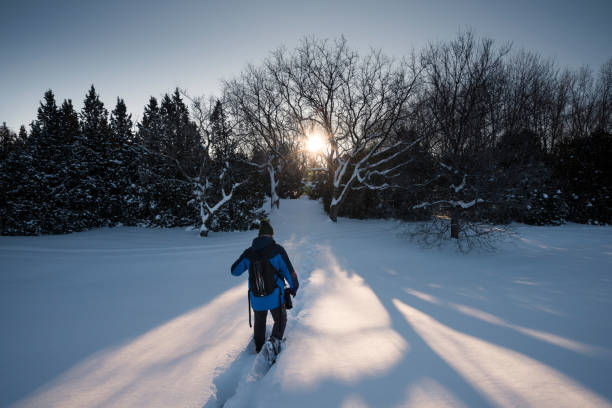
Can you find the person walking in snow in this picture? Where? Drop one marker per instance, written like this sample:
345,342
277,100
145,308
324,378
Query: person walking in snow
269,267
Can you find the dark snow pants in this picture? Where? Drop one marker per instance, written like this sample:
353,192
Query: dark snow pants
280,321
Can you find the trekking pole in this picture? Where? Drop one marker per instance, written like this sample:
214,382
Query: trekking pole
249,297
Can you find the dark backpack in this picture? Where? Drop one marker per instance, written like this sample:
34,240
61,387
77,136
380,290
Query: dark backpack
262,275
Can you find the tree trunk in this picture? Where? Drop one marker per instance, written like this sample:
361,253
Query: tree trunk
204,218
274,199
333,213
336,202
454,232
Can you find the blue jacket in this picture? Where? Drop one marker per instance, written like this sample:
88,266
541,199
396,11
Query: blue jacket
280,261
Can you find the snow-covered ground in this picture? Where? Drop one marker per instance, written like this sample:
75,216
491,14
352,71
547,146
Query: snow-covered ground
136,317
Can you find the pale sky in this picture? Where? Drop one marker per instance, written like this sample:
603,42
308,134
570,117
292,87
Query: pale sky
135,49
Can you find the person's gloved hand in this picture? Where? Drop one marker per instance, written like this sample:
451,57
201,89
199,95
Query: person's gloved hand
296,284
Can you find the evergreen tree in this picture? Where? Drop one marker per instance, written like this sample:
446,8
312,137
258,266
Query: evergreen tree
22,136
164,193
69,123
523,188
120,125
45,135
96,155
584,169
8,139
125,193
180,138
70,171
220,134
228,171
149,130
69,130
30,178
94,122
148,138
169,126
46,169
171,145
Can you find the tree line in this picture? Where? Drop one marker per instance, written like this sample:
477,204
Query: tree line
77,171
467,131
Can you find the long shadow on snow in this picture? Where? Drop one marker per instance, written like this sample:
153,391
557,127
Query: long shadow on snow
390,389
227,381
94,322
585,369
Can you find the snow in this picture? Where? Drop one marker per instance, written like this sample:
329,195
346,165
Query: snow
460,186
454,203
152,317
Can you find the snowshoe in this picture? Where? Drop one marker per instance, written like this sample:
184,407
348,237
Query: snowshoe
271,349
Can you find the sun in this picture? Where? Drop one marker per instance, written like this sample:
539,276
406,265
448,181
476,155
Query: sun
315,143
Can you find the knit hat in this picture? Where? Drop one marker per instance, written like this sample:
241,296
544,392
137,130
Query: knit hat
265,228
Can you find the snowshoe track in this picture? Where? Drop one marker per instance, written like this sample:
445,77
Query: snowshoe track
234,384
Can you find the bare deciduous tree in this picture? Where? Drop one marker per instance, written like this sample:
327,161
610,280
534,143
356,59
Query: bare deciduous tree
535,96
582,106
604,98
462,101
257,103
358,104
